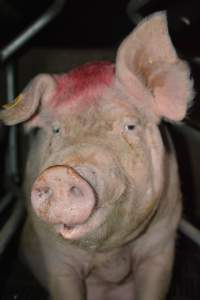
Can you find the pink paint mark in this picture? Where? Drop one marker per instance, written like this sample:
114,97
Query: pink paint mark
83,83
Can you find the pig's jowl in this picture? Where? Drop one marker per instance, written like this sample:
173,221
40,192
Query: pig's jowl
103,195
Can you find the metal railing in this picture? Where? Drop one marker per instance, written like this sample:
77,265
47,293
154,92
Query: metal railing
12,173
32,30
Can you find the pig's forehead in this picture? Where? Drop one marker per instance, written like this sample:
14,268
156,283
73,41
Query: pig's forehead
83,84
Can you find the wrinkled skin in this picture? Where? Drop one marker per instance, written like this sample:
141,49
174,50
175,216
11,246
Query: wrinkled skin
101,175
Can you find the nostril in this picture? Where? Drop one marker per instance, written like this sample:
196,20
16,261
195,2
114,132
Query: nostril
76,192
43,193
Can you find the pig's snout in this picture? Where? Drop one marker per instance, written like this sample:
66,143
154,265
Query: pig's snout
61,196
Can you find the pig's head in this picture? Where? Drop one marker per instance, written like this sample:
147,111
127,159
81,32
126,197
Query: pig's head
98,155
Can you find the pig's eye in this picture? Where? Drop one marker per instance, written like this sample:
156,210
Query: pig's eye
55,128
129,127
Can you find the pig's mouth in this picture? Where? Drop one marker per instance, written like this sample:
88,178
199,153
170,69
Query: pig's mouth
69,232
68,227
75,232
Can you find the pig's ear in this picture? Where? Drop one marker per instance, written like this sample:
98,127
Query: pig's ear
147,65
38,92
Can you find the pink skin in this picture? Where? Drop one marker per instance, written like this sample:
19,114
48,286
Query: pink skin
86,82
60,196
105,192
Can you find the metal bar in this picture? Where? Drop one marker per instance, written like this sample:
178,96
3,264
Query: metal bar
132,9
5,201
12,167
7,52
190,231
11,225
11,163
34,28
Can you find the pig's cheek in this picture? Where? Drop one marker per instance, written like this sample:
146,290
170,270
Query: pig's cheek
113,188
132,134
157,157
139,179
135,160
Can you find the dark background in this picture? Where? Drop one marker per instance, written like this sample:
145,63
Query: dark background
92,23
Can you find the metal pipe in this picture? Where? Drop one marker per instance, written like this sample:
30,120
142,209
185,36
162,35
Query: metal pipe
11,225
7,52
11,163
132,9
12,168
5,201
190,231
34,28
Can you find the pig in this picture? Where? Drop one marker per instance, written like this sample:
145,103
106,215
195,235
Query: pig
101,182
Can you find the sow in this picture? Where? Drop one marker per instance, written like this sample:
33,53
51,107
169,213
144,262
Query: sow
102,188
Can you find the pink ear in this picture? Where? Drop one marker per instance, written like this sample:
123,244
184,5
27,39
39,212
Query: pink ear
37,93
148,67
